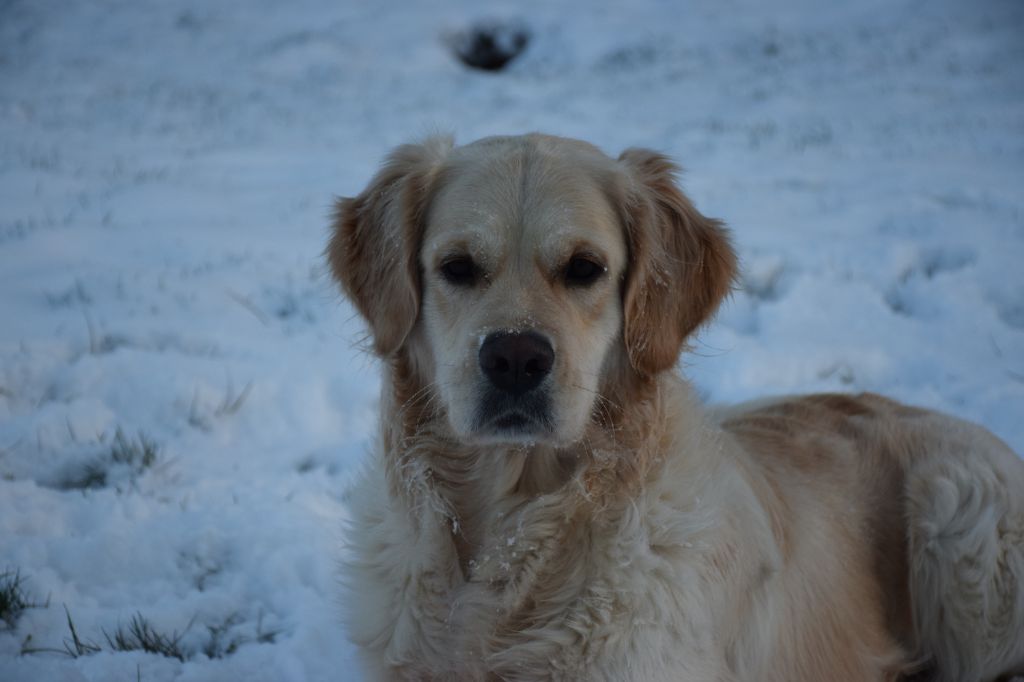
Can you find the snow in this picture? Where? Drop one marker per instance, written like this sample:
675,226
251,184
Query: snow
166,176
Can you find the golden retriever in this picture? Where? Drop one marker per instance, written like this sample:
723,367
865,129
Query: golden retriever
548,500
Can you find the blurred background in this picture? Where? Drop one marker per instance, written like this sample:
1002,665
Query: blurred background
182,400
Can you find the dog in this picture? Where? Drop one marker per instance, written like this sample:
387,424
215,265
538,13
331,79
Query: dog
549,500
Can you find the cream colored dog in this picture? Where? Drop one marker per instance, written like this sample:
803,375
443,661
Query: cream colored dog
549,501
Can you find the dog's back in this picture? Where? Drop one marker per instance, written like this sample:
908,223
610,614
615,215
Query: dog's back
925,539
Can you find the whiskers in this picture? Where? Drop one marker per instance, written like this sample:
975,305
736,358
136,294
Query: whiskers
427,401
606,407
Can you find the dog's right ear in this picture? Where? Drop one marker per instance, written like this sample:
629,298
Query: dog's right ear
376,239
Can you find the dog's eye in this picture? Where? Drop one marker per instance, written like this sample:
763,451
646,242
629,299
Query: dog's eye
582,272
460,271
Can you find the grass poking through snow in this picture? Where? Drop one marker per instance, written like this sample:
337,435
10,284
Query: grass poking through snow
223,642
124,460
140,635
139,454
14,599
75,647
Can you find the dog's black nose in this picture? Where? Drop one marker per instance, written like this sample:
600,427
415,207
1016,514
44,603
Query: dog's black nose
516,362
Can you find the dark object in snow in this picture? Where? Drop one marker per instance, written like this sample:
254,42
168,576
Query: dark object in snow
490,45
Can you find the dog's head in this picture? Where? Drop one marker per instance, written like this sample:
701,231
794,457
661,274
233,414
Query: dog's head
524,279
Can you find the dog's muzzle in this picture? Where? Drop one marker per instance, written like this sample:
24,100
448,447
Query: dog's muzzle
515,365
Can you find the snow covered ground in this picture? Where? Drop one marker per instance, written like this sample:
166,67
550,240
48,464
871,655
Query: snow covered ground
166,172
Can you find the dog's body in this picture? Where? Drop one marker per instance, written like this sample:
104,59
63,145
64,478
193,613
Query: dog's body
550,501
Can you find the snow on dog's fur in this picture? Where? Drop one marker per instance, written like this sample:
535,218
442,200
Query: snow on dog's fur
548,499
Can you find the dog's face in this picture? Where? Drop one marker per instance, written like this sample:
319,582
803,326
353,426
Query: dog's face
522,260
524,278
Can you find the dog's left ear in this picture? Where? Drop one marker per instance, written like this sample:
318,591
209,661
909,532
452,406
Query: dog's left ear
373,250
681,264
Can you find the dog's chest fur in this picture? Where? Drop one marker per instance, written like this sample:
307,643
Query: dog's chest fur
522,564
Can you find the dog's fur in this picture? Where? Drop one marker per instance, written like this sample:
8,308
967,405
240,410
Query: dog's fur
625,532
